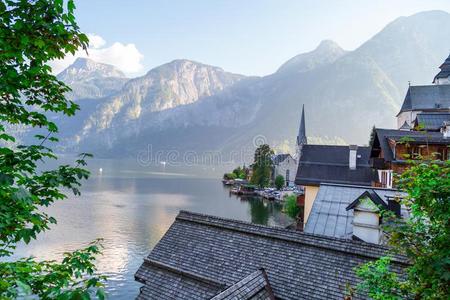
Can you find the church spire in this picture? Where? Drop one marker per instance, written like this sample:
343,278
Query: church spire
301,137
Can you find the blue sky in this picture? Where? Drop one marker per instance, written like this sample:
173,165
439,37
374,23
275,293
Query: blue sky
251,37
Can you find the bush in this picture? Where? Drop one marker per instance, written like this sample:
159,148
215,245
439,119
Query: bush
291,207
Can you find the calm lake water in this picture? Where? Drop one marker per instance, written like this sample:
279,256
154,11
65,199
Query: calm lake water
131,207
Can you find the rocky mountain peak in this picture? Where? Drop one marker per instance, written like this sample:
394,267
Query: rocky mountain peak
85,68
326,52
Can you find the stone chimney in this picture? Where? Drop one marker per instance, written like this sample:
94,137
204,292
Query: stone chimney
352,157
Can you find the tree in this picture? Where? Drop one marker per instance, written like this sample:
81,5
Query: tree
262,166
291,207
240,173
423,238
33,33
279,182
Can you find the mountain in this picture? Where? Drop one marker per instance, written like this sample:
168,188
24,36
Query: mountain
188,107
90,79
175,84
326,53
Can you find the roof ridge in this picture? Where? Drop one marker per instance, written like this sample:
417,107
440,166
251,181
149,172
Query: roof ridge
360,186
206,220
191,275
336,146
332,164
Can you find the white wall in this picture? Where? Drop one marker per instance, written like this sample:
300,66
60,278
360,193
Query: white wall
442,81
408,116
288,164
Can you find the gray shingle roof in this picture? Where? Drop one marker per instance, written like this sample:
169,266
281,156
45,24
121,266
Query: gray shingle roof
445,70
253,287
432,121
426,97
329,215
330,164
207,251
382,137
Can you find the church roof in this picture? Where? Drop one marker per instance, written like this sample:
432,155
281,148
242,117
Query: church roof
201,257
427,97
445,70
330,164
431,121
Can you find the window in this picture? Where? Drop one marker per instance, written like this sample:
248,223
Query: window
287,177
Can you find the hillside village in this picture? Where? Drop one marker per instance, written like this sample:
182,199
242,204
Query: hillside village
345,189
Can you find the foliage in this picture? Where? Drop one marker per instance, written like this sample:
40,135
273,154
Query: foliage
32,33
279,182
262,166
50,280
229,176
291,207
240,172
379,281
423,238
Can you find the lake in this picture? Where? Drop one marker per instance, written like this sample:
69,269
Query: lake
131,206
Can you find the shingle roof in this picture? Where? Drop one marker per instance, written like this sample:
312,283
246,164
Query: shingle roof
432,121
330,164
382,137
329,215
426,97
445,70
253,287
207,251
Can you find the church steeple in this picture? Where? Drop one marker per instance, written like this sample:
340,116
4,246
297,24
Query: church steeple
443,77
301,137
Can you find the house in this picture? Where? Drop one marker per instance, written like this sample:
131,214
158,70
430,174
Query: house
207,257
351,212
332,164
423,129
391,149
328,163
286,166
427,99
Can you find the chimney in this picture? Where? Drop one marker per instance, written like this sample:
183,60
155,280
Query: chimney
446,129
352,157
394,205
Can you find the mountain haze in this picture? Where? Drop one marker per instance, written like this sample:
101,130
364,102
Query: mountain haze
185,105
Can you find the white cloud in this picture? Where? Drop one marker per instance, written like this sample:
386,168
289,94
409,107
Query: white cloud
126,57
96,41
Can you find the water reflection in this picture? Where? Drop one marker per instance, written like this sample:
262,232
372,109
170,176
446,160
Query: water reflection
131,209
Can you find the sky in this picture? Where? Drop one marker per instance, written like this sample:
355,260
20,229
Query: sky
250,37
